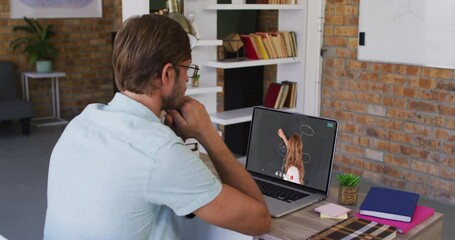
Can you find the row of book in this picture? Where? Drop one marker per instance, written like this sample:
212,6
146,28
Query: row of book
263,45
393,207
382,214
281,95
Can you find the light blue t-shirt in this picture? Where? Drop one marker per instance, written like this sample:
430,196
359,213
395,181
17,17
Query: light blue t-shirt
118,173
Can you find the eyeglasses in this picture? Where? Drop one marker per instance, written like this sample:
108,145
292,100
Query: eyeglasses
192,70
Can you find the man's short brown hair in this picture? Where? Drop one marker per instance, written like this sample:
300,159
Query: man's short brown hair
141,49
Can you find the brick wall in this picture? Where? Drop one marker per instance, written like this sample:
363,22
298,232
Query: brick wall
397,122
84,54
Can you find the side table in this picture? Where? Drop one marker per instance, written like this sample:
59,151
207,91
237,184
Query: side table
54,76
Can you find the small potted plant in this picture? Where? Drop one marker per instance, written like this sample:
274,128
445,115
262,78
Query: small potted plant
348,188
195,80
36,44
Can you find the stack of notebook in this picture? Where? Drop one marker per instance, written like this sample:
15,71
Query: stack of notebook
356,229
393,207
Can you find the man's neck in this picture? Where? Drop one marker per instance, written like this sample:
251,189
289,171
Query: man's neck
152,102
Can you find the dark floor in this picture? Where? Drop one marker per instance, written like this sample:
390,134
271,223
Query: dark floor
23,178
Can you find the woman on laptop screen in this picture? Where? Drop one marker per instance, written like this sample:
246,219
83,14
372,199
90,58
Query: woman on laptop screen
293,166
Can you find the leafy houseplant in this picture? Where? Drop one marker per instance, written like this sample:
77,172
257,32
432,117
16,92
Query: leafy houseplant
36,44
348,188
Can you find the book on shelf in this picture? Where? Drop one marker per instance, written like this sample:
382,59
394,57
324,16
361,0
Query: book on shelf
260,46
251,51
272,95
421,213
355,228
282,96
269,45
389,204
289,102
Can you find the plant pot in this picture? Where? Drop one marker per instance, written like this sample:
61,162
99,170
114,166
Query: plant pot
43,66
347,195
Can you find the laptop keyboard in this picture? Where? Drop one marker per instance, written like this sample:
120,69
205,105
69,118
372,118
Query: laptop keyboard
280,193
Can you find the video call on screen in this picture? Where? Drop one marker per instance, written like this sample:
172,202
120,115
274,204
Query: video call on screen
267,151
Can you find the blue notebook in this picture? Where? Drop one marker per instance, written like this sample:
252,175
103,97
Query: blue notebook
389,204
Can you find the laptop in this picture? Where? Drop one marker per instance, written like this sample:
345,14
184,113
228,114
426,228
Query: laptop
290,181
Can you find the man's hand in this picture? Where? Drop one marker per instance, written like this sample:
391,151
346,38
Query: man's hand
190,121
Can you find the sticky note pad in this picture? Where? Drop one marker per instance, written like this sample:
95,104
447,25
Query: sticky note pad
332,209
342,216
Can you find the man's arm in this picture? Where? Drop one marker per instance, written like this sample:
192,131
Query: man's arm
240,205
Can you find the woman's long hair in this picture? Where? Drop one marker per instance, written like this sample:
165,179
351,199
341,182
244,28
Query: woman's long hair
294,156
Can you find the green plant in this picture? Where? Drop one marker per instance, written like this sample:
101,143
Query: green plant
348,179
36,45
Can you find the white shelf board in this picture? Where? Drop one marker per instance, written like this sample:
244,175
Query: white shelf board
254,7
233,116
202,89
238,115
250,63
202,42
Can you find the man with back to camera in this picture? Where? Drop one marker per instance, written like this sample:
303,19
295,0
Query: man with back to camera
117,172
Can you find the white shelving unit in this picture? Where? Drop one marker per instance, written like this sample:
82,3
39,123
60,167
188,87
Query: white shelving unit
202,89
207,43
291,69
251,63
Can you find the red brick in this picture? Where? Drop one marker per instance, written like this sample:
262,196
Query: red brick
398,91
406,69
393,79
346,116
423,82
369,98
424,106
335,41
392,171
345,53
430,119
334,62
425,167
418,129
393,182
394,101
346,10
358,65
413,176
437,73
446,110
399,136
346,31
447,86
397,161
448,161
413,151
336,20
448,173
368,76
400,114
375,132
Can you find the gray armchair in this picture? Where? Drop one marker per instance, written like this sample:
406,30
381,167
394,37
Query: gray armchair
11,106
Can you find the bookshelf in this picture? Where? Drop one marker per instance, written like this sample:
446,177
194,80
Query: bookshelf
251,63
291,69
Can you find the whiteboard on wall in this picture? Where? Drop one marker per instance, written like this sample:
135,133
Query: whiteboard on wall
415,32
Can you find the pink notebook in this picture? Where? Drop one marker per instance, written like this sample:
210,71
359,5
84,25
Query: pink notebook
420,214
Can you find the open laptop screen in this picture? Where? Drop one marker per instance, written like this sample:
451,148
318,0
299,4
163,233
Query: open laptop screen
291,146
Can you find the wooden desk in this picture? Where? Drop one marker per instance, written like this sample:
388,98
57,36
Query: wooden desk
306,222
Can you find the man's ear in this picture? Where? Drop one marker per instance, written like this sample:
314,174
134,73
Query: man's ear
167,74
